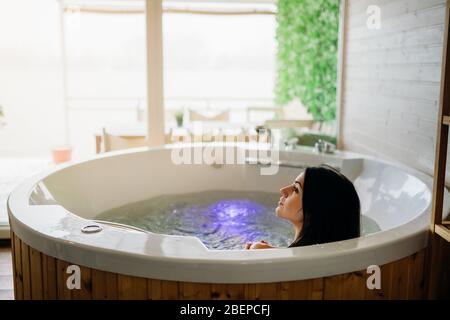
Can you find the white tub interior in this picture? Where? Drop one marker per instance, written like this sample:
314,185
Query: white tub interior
389,195
49,211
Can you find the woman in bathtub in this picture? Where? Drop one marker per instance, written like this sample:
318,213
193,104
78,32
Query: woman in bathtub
322,205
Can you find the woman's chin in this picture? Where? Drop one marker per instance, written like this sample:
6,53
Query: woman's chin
278,211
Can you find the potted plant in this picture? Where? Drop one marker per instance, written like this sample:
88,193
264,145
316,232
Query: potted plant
2,118
179,118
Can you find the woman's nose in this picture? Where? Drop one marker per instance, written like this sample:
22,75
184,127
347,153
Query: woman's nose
285,191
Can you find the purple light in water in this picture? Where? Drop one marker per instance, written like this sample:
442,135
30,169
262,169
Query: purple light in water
235,210
235,217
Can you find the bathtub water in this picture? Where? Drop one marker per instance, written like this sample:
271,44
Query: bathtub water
220,219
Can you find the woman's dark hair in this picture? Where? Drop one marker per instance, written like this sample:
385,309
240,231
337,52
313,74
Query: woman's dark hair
331,207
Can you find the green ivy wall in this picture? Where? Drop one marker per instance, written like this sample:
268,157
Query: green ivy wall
307,37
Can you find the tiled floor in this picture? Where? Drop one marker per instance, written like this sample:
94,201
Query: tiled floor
6,274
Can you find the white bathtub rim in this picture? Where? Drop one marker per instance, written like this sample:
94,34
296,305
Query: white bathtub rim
250,269
234,266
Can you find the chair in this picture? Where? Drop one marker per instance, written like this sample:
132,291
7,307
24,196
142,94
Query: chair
196,116
262,114
113,142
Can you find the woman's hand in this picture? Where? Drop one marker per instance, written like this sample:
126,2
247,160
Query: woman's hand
257,245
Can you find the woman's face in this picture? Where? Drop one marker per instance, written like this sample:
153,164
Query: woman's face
290,206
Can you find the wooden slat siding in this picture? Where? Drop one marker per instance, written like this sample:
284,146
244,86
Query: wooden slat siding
104,285
444,284
399,279
26,271
233,292
250,291
302,290
37,288
332,288
402,279
18,280
154,289
386,275
85,292
265,291
416,281
99,285
111,286
219,291
131,288
286,290
86,283
11,237
50,285
392,78
317,288
64,293
170,290
194,291
355,286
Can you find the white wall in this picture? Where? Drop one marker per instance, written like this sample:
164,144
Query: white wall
391,80
30,77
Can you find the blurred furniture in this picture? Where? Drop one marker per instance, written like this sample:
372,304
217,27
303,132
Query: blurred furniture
258,115
130,136
134,135
286,123
113,142
197,116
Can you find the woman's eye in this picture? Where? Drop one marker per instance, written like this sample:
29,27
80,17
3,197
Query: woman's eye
295,189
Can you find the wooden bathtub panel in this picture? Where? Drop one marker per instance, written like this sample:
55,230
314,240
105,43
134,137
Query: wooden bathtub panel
39,276
399,279
131,288
223,291
13,259
37,289
103,285
26,276
162,289
266,291
301,290
49,279
61,278
194,291
154,290
170,290
250,291
99,291
86,285
17,259
416,281
351,286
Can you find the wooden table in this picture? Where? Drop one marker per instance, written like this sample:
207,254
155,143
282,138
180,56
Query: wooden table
196,130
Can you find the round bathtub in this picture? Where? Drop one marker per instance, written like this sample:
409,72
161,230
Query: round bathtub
48,212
